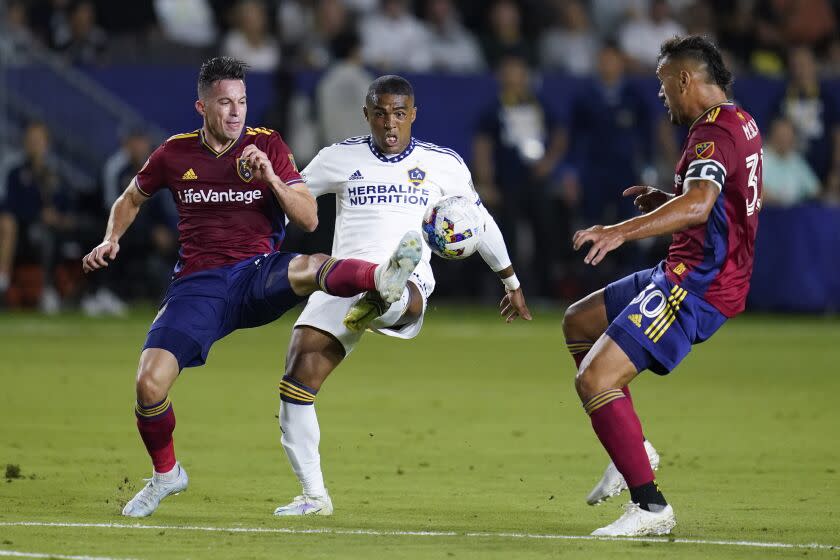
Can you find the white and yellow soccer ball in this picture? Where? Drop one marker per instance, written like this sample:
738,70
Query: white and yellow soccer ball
452,227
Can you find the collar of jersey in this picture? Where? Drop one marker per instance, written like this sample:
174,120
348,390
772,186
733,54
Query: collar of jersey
706,112
394,158
214,152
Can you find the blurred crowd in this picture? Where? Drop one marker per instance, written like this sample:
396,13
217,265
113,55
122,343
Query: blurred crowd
540,174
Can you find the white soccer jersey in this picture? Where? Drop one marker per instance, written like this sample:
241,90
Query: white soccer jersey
380,197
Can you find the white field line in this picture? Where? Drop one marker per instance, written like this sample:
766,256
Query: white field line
17,554
375,533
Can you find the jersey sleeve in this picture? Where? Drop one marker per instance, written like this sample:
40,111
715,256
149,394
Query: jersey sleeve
321,175
711,154
461,183
282,160
151,177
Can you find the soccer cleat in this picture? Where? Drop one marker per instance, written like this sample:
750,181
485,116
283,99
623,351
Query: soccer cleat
613,484
391,277
638,522
364,311
147,500
307,505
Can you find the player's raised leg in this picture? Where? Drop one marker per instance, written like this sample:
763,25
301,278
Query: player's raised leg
603,372
348,277
391,282
156,373
583,323
312,356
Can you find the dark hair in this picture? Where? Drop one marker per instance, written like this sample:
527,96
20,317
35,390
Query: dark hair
219,68
702,50
394,85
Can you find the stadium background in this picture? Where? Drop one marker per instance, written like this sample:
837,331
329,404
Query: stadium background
496,464
99,74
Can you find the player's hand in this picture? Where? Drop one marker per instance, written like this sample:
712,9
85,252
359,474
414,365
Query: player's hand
647,198
96,258
603,238
513,306
259,163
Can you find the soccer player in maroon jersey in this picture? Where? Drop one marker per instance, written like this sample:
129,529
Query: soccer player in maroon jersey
650,319
234,188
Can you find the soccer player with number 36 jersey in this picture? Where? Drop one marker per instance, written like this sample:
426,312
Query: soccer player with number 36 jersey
234,188
651,319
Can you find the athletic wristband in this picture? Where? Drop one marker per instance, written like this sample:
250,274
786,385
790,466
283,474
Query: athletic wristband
511,283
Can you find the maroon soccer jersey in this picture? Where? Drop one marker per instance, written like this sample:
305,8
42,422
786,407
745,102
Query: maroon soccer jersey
715,260
225,214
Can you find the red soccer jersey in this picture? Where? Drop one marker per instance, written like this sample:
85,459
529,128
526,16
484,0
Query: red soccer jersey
715,260
225,215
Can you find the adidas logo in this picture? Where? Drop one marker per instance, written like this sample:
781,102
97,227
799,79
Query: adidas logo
636,319
189,175
356,176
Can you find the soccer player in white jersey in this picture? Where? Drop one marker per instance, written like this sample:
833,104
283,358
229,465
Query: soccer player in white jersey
383,184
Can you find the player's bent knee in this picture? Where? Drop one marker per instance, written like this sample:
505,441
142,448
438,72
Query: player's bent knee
303,270
590,381
570,319
156,373
150,389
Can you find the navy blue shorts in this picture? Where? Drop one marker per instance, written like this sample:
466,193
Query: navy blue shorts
655,321
205,306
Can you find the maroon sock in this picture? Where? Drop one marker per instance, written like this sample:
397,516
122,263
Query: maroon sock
617,426
578,349
346,277
156,424
626,391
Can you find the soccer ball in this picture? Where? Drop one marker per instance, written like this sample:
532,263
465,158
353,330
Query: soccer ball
452,227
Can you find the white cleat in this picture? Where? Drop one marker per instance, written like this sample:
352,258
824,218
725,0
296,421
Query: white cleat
613,484
307,505
391,277
638,522
361,313
147,500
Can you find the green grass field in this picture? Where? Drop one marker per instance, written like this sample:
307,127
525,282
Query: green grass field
468,442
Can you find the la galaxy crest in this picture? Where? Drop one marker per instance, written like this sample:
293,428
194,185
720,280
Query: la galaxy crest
704,150
416,176
244,170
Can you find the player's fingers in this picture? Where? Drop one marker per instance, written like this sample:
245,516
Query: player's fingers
507,307
524,312
592,254
112,251
630,191
583,238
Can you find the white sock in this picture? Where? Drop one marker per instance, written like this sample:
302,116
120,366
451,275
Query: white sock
170,475
301,436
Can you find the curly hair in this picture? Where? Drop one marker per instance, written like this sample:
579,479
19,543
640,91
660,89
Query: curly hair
701,49
392,84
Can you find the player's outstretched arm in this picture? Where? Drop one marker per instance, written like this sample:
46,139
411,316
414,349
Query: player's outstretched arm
123,213
300,206
494,252
690,208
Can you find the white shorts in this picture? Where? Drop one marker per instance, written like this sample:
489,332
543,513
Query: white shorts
326,313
